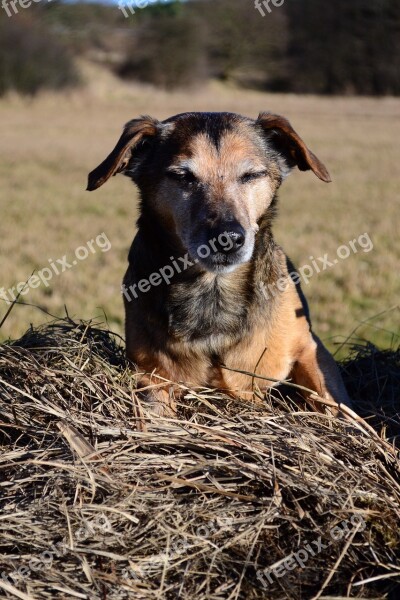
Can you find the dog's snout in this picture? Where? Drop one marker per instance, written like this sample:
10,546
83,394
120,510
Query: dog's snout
230,237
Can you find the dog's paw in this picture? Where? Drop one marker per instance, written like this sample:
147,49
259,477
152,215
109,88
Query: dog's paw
158,402
160,408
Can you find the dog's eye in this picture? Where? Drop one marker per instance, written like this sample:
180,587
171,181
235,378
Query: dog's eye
184,177
247,177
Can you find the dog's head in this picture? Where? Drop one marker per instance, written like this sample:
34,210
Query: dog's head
209,177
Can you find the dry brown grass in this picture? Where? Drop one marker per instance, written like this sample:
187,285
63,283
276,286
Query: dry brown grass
48,146
194,507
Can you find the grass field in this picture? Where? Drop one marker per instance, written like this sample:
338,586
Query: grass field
48,145
99,500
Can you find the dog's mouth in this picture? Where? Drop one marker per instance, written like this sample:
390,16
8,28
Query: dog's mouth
221,261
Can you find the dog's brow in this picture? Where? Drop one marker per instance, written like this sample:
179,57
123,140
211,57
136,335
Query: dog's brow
178,168
250,166
181,165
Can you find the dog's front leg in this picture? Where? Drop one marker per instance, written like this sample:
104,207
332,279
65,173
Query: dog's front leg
316,370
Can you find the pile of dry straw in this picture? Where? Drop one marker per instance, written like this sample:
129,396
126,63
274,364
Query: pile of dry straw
228,501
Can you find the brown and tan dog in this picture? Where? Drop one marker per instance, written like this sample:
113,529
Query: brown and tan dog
204,256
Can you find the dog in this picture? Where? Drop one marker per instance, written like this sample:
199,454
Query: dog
209,182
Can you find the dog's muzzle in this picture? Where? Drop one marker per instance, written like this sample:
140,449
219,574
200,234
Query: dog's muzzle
228,238
223,247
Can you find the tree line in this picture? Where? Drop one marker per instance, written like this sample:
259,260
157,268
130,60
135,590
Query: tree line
301,46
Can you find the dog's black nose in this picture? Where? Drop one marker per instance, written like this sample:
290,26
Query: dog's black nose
230,237
237,238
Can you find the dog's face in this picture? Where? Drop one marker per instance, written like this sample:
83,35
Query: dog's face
209,177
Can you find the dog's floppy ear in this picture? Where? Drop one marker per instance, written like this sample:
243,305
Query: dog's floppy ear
290,145
134,132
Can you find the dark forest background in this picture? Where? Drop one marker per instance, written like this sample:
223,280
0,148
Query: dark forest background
305,46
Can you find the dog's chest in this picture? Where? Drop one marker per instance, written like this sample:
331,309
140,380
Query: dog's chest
206,308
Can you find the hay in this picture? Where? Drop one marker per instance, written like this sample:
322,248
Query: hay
198,507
